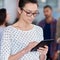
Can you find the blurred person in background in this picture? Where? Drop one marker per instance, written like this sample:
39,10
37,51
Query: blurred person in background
4,17
19,38
58,39
49,30
3,20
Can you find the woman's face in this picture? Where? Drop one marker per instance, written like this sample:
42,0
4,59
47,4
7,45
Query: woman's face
29,12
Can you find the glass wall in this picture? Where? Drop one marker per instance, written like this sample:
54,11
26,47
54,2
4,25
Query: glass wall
1,3
53,3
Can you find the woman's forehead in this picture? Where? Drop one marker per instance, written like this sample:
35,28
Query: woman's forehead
31,6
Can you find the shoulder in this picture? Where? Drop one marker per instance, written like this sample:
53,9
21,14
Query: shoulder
41,23
8,29
39,32
55,20
1,29
38,28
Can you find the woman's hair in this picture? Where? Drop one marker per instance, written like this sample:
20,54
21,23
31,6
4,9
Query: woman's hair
2,15
23,2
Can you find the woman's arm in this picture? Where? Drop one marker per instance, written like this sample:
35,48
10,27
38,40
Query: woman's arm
19,54
22,52
42,57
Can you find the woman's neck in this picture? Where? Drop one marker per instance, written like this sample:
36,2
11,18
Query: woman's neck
23,25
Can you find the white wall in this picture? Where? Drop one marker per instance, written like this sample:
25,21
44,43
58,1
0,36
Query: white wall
59,4
11,6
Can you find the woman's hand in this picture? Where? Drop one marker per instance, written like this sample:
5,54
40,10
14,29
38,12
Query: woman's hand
31,45
43,51
58,40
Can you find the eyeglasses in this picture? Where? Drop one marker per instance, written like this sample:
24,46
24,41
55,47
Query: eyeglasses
29,13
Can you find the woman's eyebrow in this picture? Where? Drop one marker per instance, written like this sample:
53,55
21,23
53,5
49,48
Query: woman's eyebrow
32,11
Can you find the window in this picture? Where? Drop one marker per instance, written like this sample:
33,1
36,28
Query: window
53,3
1,3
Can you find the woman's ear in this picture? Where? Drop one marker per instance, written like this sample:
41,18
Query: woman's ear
19,10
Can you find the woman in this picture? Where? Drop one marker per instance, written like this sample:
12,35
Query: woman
21,37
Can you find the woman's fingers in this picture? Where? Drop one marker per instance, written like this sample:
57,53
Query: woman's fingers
31,45
43,50
46,47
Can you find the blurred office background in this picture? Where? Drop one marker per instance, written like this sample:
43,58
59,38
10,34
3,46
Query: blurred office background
11,6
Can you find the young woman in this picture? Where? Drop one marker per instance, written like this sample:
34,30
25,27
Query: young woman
21,37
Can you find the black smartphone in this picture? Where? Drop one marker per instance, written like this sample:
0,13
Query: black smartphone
42,44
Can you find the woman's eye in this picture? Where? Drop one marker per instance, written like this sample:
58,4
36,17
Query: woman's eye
28,12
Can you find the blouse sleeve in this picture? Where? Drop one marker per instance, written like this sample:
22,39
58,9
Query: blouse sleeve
40,34
5,45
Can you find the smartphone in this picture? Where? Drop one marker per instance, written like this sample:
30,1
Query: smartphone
42,44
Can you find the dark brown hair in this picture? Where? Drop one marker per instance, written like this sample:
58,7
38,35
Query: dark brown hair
23,2
2,16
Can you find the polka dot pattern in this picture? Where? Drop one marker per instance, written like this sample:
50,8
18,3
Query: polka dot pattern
15,40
